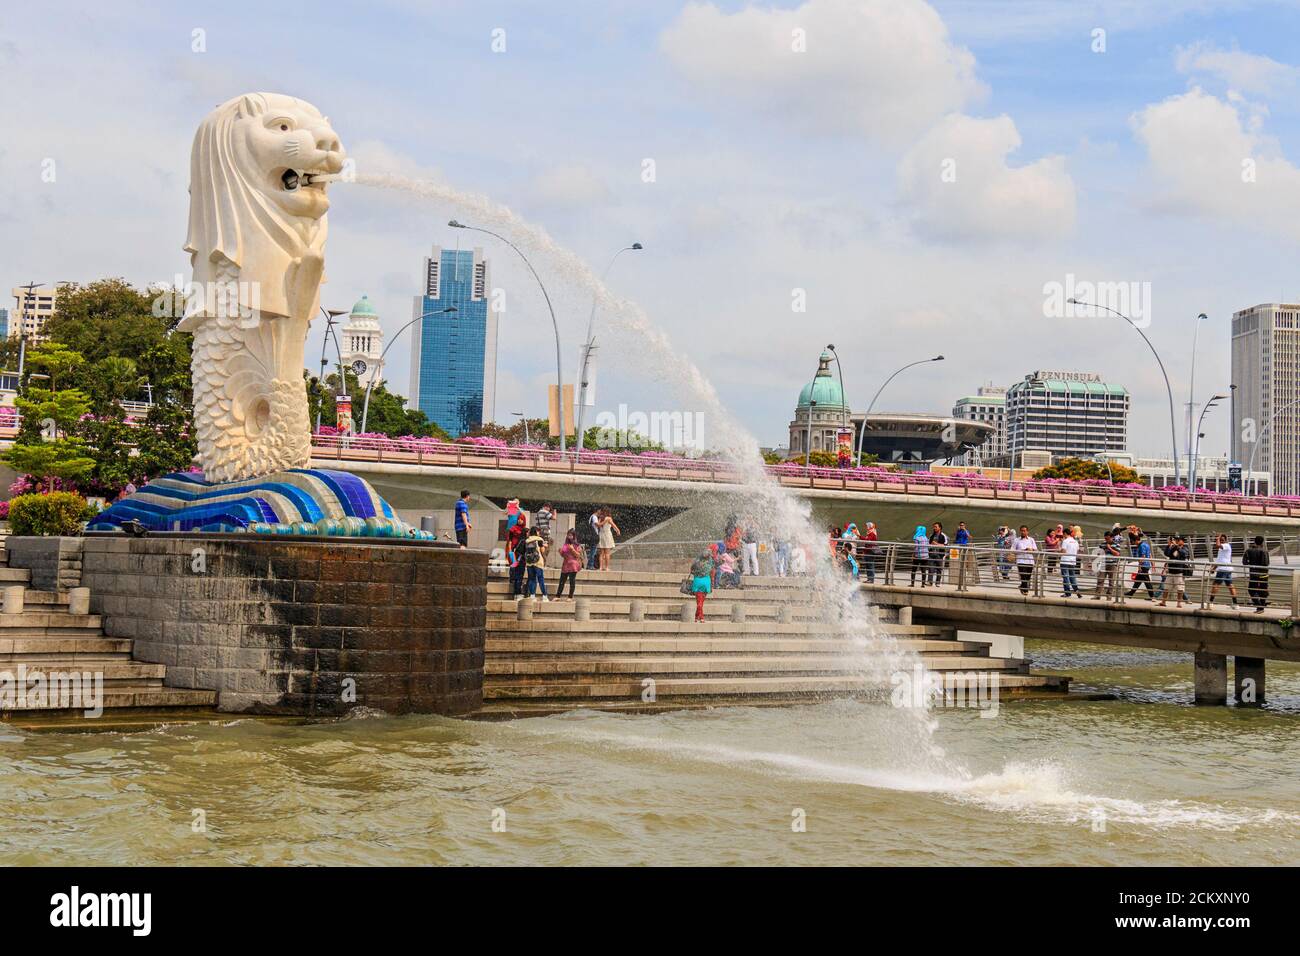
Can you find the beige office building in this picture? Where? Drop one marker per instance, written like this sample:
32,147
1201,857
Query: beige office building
33,309
1266,376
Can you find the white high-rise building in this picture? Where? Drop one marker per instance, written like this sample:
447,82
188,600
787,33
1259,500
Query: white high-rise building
988,405
34,306
1066,415
1266,379
362,342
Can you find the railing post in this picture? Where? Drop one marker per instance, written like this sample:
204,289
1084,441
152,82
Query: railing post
891,552
961,570
1295,594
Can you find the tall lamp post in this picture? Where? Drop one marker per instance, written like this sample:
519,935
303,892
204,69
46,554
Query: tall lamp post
1196,447
520,416
1191,387
839,368
588,346
21,306
374,373
559,370
863,434
330,316
1173,427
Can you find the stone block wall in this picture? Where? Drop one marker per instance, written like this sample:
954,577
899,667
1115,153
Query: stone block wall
55,563
298,625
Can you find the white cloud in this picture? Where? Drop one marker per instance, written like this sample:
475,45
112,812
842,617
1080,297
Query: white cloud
1207,159
886,68
572,184
961,186
1242,72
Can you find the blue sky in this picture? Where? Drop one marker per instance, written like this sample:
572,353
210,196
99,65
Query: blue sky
775,171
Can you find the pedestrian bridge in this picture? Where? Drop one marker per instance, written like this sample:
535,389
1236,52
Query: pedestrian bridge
416,479
972,596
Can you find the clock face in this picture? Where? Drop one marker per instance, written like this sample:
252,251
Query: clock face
359,366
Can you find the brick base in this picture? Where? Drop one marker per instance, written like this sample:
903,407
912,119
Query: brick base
296,625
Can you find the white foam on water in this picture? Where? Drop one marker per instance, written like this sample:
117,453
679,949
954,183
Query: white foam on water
1038,791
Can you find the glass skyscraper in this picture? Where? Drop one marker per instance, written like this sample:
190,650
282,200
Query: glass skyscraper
454,355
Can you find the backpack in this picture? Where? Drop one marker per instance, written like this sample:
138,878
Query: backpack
532,554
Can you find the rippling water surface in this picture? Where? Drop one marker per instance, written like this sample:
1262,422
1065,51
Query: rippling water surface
1146,778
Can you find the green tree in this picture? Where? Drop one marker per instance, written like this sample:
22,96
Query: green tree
111,317
388,412
1084,469
46,447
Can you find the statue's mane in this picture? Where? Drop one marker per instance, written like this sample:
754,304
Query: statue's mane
228,203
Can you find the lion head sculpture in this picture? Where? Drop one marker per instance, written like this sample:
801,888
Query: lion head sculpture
256,210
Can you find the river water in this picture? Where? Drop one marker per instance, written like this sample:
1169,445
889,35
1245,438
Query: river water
1145,778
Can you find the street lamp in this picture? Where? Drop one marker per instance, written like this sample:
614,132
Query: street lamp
330,316
807,452
1191,386
840,369
374,373
1196,449
559,371
591,344
1173,428
21,306
863,434
520,416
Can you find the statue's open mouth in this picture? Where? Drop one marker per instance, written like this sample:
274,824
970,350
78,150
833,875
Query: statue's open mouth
293,179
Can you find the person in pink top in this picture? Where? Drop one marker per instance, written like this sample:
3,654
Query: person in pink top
570,564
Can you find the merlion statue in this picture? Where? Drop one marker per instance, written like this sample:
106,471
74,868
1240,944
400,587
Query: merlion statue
258,175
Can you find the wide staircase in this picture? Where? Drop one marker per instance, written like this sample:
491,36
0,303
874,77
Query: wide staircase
48,638
624,645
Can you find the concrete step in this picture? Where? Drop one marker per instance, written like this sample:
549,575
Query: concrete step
610,589
129,696
665,608
801,686
11,576
75,643
570,666
112,670
509,623
49,618
705,644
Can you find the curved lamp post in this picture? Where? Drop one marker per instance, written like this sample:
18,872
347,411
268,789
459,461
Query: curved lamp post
559,372
807,451
863,434
330,316
1173,427
1259,440
1196,448
1191,386
840,369
374,374
588,346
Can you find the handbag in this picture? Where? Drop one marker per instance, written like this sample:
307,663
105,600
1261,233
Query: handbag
688,585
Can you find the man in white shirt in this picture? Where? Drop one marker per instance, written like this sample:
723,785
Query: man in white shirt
1069,548
1025,547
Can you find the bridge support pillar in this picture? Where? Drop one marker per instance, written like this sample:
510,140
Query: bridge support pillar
1211,679
1248,678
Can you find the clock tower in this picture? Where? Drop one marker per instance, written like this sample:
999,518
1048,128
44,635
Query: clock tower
362,342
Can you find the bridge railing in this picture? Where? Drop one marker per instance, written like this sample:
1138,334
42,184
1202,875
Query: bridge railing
665,466
1114,579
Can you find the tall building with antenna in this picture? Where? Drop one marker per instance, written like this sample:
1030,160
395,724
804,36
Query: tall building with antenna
454,354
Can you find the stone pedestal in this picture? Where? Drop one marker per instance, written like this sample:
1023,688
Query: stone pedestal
1211,678
296,625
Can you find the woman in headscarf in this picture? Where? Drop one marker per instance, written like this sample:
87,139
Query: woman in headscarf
921,554
849,547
